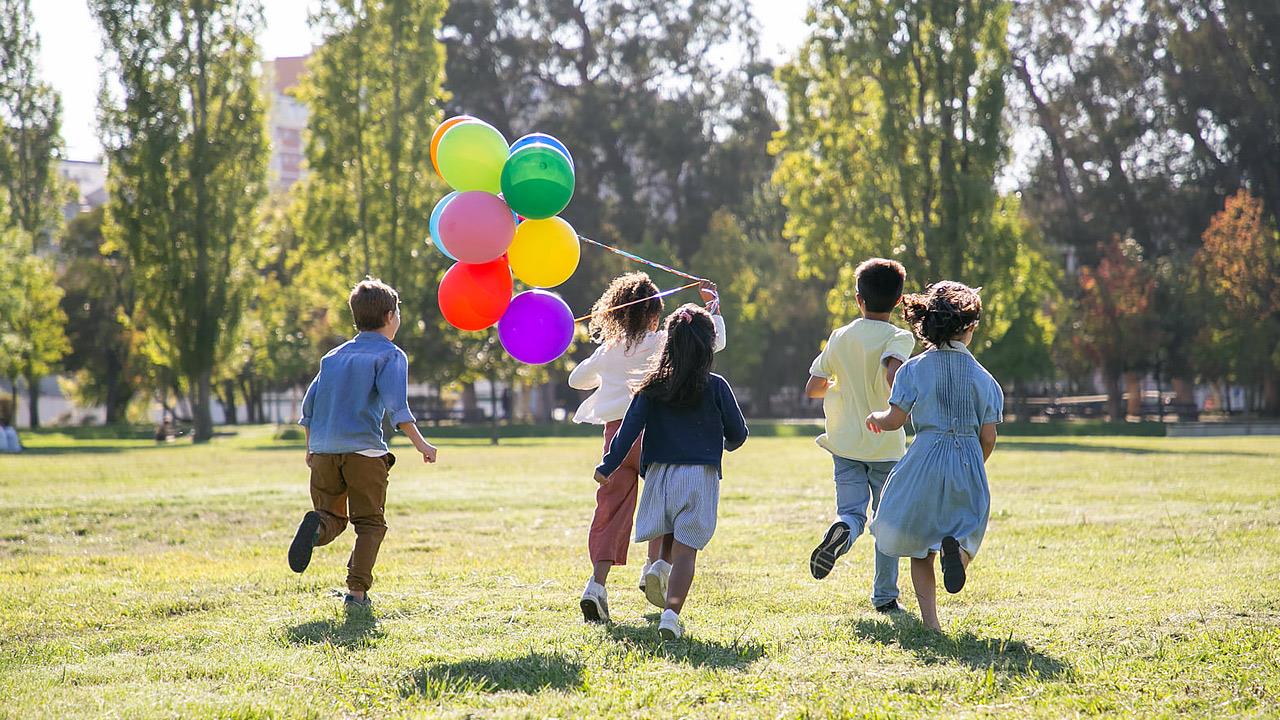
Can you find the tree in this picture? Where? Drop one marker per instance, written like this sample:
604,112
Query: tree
373,89
185,140
1241,264
31,321
892,140
30,112
1113,326
98,300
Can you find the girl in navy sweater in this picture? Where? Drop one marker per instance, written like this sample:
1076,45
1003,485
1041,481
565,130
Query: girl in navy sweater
689,417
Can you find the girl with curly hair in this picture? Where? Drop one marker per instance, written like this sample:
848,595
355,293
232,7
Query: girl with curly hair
629,339
936,499
689,417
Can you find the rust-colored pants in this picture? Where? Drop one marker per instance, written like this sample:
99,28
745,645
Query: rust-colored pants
354,485
615,505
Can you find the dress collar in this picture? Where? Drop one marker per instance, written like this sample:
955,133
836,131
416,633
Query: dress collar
955,345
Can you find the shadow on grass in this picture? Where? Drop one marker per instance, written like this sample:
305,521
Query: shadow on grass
525,674
1038,446
356,629
689,650
1012,657
80,449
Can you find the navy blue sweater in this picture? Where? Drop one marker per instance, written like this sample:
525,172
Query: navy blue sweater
696,435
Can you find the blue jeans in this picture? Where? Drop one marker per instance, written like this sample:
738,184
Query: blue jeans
859,484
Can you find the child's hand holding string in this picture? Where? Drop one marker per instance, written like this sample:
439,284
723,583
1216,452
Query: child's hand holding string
710,296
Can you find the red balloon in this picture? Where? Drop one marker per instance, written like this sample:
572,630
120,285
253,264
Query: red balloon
474,297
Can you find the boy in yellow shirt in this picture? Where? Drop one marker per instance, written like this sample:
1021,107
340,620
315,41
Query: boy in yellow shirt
853,375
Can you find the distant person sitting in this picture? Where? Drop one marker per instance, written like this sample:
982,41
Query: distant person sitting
9,442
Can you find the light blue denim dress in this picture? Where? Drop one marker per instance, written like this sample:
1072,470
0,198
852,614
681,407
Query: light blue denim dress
939,487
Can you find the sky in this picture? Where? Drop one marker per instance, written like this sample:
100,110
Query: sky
71,43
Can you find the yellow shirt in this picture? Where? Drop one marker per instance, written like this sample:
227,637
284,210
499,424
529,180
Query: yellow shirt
853,360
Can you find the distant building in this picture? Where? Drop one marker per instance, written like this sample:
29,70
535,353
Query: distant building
90,178
286,121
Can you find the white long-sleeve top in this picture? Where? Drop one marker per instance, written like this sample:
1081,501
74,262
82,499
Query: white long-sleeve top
612,370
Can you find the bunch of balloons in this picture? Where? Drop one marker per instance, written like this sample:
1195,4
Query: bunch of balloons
501,220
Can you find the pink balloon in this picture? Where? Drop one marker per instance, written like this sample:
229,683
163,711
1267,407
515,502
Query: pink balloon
477,227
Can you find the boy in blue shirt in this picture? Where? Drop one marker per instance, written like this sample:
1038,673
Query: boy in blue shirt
359,382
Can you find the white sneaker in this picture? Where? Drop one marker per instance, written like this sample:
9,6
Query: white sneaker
655,583
644,571
669,627
595,603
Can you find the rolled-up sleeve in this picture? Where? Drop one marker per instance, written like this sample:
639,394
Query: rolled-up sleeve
586,376
308,402
718,321
392,382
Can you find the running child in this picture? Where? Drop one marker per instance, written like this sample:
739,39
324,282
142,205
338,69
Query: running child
689,417
936,499
629,340
853,375
359,383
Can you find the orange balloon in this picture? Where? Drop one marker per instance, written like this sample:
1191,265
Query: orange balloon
439,133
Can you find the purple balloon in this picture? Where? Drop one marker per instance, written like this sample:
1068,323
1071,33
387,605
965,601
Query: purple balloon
537,327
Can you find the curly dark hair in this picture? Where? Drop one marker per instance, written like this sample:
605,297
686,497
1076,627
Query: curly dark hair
630,324
680,372
943,312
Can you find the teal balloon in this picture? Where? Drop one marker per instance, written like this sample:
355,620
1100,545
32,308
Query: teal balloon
537,181
434,224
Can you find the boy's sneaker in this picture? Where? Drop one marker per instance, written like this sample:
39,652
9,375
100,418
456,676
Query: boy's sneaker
595,603
351,602
953,573
644,571
890,607
304,541
669,627
833,545
655,583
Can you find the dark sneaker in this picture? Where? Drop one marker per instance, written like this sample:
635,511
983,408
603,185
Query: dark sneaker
890,607
831,547
952,567
304,541
351,602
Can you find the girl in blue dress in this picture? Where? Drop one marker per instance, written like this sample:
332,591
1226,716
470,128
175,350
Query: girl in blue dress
936,498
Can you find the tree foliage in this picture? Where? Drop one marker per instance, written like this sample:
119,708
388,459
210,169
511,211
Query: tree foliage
186,144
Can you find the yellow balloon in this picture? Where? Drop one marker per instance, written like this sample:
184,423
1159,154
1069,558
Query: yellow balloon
545,252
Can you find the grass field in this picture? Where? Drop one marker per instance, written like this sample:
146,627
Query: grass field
1120,576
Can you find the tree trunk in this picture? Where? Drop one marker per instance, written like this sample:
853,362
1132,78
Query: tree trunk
228,401
1133,386
493,411
1270,394
201,413
470,405
33,397
1115,404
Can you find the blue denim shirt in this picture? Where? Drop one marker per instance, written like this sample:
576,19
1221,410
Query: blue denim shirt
359,381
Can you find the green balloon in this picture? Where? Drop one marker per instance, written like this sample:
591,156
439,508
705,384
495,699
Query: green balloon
471,155
537,181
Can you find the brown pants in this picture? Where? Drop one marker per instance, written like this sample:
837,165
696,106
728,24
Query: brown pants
351,484
610,533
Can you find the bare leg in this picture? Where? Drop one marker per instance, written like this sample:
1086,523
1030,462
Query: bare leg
683,559
600,571
655,550
926,587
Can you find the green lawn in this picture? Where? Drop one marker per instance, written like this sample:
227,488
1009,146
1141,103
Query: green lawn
1120,576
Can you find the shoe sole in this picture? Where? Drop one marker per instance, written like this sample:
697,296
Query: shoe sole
304,541
653,591
823,558
953,574
667,634
591,612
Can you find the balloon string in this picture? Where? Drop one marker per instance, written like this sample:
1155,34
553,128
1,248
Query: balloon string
639,259
636,302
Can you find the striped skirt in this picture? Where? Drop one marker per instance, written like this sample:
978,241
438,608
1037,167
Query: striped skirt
679,500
